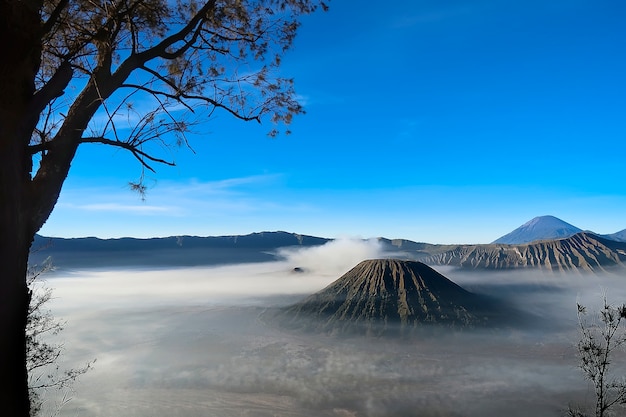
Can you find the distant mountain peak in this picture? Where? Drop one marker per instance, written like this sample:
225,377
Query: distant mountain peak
539,228
544,219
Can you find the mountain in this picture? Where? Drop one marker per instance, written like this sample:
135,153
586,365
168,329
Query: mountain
91,252
407,249
384,295
582,252
172,251
539,228
618,236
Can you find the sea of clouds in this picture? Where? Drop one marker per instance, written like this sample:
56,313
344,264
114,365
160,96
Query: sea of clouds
189,342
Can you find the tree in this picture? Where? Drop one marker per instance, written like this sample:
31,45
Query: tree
42,356
66,61
596,348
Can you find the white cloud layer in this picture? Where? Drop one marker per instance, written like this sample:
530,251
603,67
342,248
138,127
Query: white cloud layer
190,342
335,257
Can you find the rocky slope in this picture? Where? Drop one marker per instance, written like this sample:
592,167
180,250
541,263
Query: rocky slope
387,295
583,252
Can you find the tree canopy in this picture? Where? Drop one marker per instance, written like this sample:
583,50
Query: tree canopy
107,56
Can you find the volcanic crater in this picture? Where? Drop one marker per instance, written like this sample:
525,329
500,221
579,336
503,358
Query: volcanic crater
388,295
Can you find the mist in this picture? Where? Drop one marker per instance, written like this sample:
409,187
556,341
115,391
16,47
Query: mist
190,342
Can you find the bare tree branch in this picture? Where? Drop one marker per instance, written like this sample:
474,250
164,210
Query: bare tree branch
137,153
597,344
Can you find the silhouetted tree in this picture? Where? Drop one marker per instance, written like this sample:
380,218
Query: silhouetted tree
66,61
598,342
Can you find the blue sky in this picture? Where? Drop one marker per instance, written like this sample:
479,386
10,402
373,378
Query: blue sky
436,121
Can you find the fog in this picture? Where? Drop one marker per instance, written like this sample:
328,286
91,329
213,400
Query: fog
190,342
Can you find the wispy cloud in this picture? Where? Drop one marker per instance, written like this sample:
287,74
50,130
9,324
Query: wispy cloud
335,257
127,208
226,206
228,185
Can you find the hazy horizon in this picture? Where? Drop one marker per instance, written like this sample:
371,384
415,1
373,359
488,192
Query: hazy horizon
339,238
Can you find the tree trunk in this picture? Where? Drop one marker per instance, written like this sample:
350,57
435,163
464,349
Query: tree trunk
16,235
14,300
20,26
15,240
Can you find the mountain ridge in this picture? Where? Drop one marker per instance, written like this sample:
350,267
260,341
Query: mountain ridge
172,250
617,236
92,252
583,251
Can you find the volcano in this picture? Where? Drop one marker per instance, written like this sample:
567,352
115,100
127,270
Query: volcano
386,294
539,228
